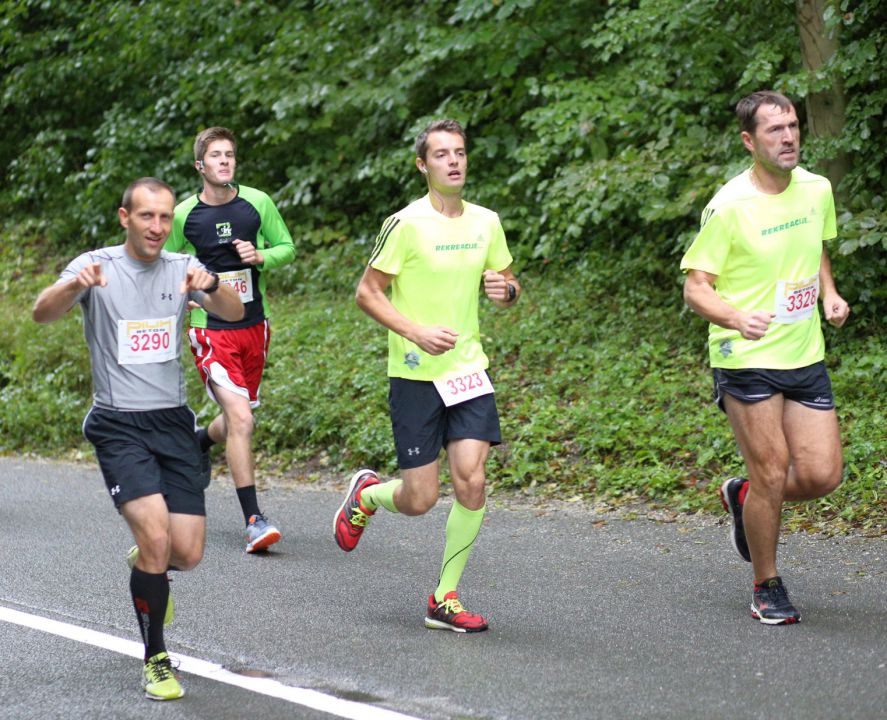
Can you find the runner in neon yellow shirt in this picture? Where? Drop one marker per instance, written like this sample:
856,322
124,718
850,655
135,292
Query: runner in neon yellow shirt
435,254
766,252
755,272
436,263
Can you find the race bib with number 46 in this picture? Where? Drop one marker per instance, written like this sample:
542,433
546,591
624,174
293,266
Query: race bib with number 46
146,341
459,388
241,281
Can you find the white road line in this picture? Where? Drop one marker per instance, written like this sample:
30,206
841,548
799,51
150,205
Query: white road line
211,671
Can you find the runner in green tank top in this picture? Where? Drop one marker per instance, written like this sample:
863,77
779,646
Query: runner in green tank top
434,255
755,271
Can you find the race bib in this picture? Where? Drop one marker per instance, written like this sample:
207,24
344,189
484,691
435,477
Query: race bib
146,341
796,301
459,388
241,281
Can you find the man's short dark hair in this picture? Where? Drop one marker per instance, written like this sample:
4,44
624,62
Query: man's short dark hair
451,126
747,108
211,134
152,183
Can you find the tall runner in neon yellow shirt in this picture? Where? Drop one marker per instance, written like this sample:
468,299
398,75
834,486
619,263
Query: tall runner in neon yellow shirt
435,254
755,272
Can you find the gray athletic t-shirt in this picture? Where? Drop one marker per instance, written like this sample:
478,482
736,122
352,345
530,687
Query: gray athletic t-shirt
133,327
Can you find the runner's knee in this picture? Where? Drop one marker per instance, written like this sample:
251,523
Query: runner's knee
768,477
821,479
154,551
417,499
239,421
187,558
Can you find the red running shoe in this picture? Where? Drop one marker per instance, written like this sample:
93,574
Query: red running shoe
352,517
448,614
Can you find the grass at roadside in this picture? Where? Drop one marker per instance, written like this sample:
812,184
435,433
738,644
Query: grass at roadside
601,377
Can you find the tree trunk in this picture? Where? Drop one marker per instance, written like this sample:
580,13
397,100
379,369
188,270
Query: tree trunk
825,110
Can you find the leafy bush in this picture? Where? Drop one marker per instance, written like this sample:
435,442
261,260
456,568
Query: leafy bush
598,131
601,376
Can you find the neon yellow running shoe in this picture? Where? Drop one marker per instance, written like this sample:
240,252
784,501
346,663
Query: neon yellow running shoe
131,556
158,679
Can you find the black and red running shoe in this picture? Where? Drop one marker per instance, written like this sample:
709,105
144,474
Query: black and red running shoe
770,604
732,494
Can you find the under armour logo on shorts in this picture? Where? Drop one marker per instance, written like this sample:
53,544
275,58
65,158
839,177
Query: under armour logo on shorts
413,451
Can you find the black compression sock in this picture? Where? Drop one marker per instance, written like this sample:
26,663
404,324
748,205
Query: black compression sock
249,503
150,593
206,442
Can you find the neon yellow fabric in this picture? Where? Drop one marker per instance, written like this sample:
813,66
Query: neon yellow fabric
437,263
463,525
751,241
381,495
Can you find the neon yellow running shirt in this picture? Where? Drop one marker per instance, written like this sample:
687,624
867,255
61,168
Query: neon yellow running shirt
765,251
438,263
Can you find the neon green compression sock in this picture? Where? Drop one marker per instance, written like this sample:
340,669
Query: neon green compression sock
463,525
381,495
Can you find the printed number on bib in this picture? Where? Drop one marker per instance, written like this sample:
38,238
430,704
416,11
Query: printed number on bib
459,388
146,341
796,301
241,281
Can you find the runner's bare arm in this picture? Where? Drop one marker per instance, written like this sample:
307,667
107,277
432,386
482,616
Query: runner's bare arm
496,287
371,298
700,295
834,306
53,302
223,302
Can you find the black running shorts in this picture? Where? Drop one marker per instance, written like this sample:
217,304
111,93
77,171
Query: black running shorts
809,385
143,453
422,424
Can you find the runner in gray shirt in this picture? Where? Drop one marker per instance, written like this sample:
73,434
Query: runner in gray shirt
134,298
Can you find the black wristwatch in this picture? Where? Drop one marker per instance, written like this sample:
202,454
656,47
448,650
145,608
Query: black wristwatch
215,286
512,292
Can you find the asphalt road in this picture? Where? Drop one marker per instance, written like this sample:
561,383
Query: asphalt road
591,616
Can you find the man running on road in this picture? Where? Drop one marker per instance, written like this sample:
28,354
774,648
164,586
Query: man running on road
435,254
237,232
755,271
134,298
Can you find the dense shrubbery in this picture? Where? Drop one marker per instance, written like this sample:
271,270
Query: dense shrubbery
603,392
593,125
598,131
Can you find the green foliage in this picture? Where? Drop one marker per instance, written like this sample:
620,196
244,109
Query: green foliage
598,131
602,386
44,376
592,124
